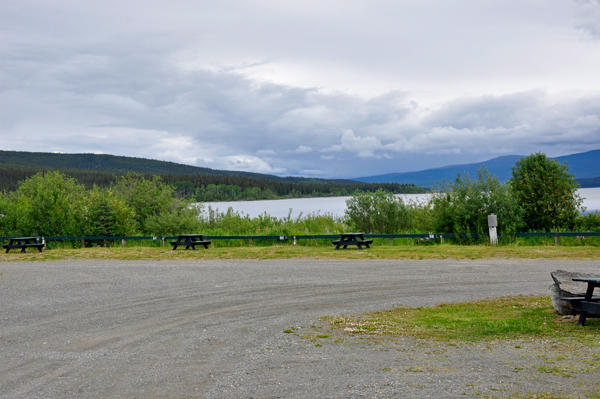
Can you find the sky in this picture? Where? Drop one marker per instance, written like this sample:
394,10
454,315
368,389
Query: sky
323,88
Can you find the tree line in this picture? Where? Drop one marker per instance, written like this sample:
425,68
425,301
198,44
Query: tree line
203,188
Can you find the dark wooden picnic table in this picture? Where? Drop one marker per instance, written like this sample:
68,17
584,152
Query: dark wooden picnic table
190,240
589,304
357,239
23,243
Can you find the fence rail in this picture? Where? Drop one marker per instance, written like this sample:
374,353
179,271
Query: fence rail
315,236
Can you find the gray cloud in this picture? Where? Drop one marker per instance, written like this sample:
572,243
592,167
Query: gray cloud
342,89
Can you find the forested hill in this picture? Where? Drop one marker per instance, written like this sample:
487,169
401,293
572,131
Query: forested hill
120,164
199,184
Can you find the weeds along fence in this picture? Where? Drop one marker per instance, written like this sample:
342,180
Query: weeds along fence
553,238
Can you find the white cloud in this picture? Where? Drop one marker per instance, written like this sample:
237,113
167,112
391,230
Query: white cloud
266,152
361,146
303,149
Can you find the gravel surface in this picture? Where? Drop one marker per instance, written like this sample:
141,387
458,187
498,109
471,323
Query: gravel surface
215,329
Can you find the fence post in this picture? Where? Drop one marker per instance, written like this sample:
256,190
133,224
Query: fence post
492,223
122,243
391,240
295,240
556,240
82,243
250,242
44,242
163,240
441,239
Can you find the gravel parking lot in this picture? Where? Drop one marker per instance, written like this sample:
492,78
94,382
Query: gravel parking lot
142,329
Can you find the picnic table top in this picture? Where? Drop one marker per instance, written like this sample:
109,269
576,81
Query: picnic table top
593,280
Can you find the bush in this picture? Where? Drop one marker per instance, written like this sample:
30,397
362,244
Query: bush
49,204
108,215
181,218
148,199
547,192
463,207
378,212
589,222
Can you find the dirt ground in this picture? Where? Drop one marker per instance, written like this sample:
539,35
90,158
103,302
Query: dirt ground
216,329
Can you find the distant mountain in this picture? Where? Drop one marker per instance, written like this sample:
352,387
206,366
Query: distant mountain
584,165
120,164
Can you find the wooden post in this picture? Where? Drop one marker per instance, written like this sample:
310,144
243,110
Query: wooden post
441,239
123,243
556,241
82,243
295,240
391,241
163,240
250,242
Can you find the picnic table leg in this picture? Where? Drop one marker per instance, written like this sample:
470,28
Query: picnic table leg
588,297
175,247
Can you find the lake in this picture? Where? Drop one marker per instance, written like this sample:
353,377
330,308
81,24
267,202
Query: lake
337,205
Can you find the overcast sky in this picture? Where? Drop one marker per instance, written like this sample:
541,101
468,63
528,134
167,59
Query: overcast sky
322,88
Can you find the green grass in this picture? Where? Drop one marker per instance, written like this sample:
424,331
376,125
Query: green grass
286,251
503,318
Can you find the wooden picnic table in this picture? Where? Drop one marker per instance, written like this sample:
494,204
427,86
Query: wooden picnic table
587,305
357,239
23,243
190,240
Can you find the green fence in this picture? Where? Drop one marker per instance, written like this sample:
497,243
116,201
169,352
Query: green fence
251,238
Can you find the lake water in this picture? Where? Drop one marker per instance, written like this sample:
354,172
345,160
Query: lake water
337,205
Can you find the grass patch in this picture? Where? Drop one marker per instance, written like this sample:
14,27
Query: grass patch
503,318
286,251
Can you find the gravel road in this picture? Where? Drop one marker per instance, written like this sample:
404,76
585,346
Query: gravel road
215,329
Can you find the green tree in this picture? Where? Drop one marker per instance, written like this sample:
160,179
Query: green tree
148,198
50,204
377,212
462,207
108,214
547,192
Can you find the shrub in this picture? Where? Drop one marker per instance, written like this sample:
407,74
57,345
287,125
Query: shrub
108,215
50,204
377,212
180,218
547,192
148,198
463,207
